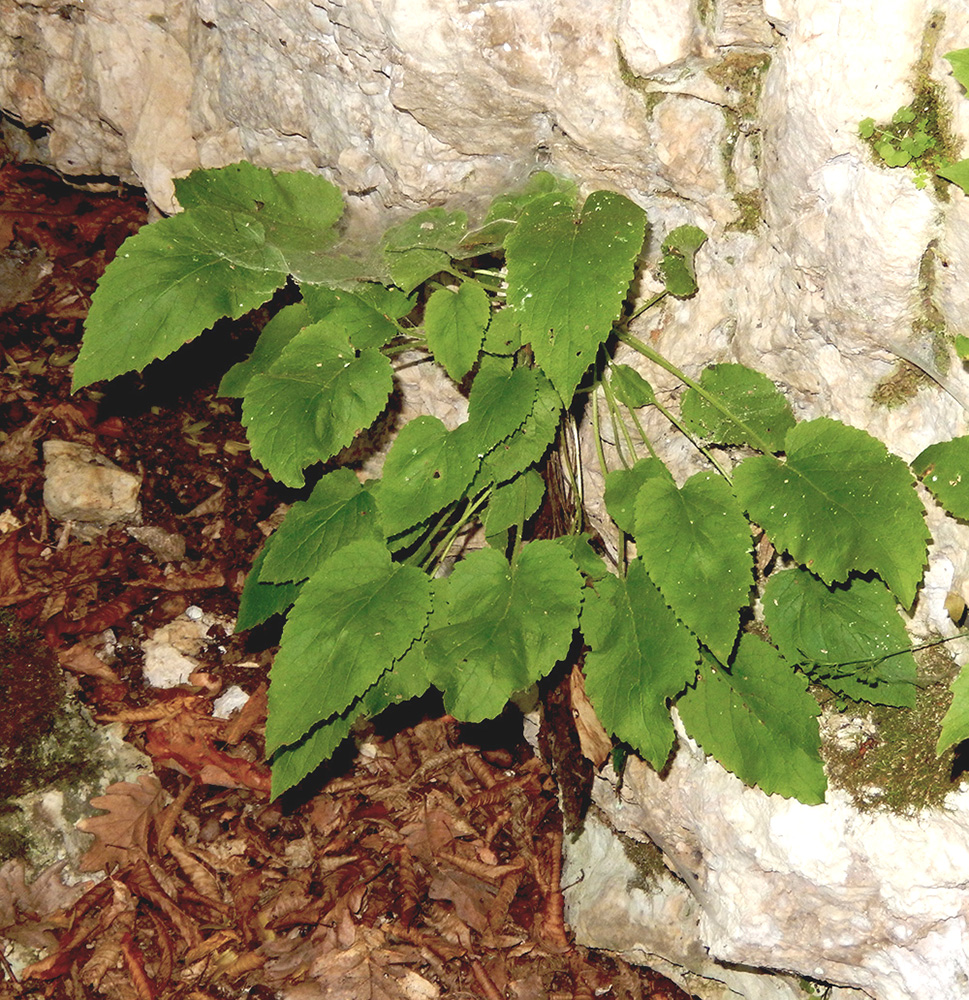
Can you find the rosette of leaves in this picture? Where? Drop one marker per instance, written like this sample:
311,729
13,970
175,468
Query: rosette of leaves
522,312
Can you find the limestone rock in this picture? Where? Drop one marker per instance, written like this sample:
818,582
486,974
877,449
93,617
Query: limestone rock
171,650
622,898
82,485
873,901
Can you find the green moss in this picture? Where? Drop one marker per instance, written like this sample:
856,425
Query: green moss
751,212
928,328
897,768
810,988
647,859
901,386
651,97
706,12
920,135
741,75
38,746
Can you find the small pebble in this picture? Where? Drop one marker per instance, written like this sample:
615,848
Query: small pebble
193,613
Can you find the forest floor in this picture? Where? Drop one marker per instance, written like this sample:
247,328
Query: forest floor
423,862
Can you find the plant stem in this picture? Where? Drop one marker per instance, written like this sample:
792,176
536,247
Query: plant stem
598,437
707,454
618,423
642,432
753,438
658,297
444,546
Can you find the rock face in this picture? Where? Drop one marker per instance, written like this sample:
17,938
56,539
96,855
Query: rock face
881,898
822,269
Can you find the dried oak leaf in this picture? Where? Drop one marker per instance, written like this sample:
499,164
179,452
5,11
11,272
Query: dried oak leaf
124,827
25,909
370,970
472,897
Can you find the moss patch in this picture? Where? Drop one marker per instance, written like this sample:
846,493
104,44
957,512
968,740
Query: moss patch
37,745
741,75
647,859
651,98
901,386
929,328
749,205
893,765
919,135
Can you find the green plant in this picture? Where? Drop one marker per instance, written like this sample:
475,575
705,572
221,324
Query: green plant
524,312
918,134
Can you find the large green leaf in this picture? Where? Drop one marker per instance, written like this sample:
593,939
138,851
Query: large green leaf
244,230
568,276
507,626
337,512
750,396
839,503
630,387
759,721
315,397
944,469
259,601
168,283
955,724
364,324
276,334
288,198
579,547
510,206
695,543
957,173
639,656
527,445
839,634
514,502
406,679
350,622
422,245
500,401
455,322
291,764
504,334
296,210
622,489
959,59
427,467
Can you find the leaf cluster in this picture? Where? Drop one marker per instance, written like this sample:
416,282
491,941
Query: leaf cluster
430,574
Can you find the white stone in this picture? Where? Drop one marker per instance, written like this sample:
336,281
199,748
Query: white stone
82,485
170,651
231,700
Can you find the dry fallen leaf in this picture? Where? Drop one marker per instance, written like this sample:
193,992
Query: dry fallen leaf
25,908
594,741
124,827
